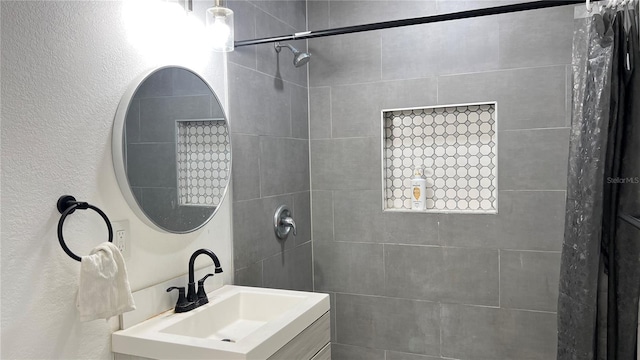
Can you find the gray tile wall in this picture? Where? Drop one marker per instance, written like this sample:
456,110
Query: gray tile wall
435,286
270,136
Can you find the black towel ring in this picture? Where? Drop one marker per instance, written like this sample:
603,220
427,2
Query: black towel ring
67,204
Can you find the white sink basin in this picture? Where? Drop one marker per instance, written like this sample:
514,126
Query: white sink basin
258,322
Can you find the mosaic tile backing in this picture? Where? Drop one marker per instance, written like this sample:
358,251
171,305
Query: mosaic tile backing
457,148
203,161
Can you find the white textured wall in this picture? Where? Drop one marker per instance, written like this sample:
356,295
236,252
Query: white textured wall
65,66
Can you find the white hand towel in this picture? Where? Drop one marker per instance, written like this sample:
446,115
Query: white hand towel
104,289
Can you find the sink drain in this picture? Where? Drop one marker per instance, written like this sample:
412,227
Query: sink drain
228,340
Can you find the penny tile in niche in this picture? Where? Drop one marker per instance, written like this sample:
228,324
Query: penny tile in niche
203,158
456,145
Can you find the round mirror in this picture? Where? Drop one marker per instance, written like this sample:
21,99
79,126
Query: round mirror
172,150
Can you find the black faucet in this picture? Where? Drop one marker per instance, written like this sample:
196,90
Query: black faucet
195,299
200,297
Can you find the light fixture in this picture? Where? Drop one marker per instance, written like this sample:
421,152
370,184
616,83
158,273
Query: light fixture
220,27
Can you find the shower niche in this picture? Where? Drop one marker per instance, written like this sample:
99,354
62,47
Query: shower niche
457,148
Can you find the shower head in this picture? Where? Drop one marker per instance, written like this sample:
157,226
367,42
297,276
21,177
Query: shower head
299,58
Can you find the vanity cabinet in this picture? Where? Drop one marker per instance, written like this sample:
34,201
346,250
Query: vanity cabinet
311,344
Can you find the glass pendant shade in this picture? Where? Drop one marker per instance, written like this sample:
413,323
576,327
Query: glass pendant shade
220,28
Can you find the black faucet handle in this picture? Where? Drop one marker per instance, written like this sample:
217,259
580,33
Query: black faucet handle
201,281
182,305
202,294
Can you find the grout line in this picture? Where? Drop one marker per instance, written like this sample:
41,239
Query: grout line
330,114
440,303
535,190
435,246
259,169
266,74
440,327
333,219
291,111
499,280
536,129
269,136
381,53
506,69
335,303
444,75
262,272
272,196
348,138
384,270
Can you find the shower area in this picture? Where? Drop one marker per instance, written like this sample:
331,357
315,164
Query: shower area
476,275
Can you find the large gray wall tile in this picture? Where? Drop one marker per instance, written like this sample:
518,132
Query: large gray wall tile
284,165
177,218
132,122
186,83
158,84
358,216
345,164
395,355
456,275
348,267
318,14
411,228
290,270
349,352
158,115
389,323
531,220
536,37
345,59
527,98
448,6
471,230
267,112
529,280
253,235
320,112
299,112
460,46
246,166
302,215
249,276
407,93
356,109
527,220
292,12
152,165
346,13
322,210
533,159
471,332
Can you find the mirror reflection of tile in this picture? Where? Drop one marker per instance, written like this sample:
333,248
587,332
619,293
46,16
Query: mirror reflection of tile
457,148
203,157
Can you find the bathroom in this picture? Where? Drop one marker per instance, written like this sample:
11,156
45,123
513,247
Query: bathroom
403,285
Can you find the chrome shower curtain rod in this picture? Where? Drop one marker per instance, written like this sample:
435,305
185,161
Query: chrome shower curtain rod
413,21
